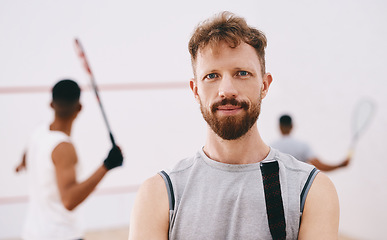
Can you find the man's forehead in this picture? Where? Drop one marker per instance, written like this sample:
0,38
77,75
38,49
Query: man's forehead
218,52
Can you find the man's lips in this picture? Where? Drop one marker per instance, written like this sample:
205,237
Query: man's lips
229,105
228,109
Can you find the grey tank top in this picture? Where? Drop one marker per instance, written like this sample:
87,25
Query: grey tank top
213,200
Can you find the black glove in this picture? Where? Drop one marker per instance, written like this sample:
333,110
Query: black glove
114,158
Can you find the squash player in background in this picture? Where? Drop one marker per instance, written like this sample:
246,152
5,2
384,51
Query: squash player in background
301,150
51,160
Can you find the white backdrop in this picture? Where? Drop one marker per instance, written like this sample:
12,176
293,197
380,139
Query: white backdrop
324,57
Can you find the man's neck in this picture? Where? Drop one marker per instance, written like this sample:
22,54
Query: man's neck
249,148
285,135
61,125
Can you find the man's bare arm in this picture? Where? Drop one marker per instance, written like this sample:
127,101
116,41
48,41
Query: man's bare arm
72,192
327,167
320,219
150,214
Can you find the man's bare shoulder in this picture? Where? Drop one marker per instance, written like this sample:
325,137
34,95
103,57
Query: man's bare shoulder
153,186
64,154
323,182
322,190
320,219
150,213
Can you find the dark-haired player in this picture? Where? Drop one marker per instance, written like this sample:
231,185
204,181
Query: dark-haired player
51,160
301,150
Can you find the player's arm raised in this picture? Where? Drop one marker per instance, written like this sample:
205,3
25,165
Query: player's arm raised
72,192
320,219
150,214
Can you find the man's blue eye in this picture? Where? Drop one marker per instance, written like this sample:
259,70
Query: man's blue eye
211,75
243,73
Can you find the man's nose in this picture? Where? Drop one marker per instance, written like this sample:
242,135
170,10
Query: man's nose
227,88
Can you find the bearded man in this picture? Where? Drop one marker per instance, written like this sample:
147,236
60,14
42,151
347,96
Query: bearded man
236,186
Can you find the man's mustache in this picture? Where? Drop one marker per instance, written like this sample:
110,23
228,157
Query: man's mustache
230,101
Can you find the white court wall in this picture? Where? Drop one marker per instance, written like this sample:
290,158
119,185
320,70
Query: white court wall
324,57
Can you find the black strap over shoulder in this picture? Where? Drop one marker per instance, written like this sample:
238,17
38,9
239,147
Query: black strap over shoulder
273,196
273,199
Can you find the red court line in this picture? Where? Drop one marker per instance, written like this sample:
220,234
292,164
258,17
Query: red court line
24,89
106,191
104,87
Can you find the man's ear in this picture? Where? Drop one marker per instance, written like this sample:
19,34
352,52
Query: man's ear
79,107
194,88
52,105
266,81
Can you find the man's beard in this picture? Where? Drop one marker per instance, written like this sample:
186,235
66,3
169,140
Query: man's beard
232,127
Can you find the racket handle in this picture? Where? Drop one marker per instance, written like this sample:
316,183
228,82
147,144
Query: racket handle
351,148
112,139
350,153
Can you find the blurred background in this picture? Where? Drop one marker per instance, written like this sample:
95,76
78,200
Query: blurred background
325,56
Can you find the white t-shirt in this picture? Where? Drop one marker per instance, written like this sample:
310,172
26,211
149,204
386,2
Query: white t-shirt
300,150
47,218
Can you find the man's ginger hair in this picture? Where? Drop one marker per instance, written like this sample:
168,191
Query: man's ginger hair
229,28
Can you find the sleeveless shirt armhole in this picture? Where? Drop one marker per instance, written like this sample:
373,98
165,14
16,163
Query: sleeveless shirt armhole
306,188
168,184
